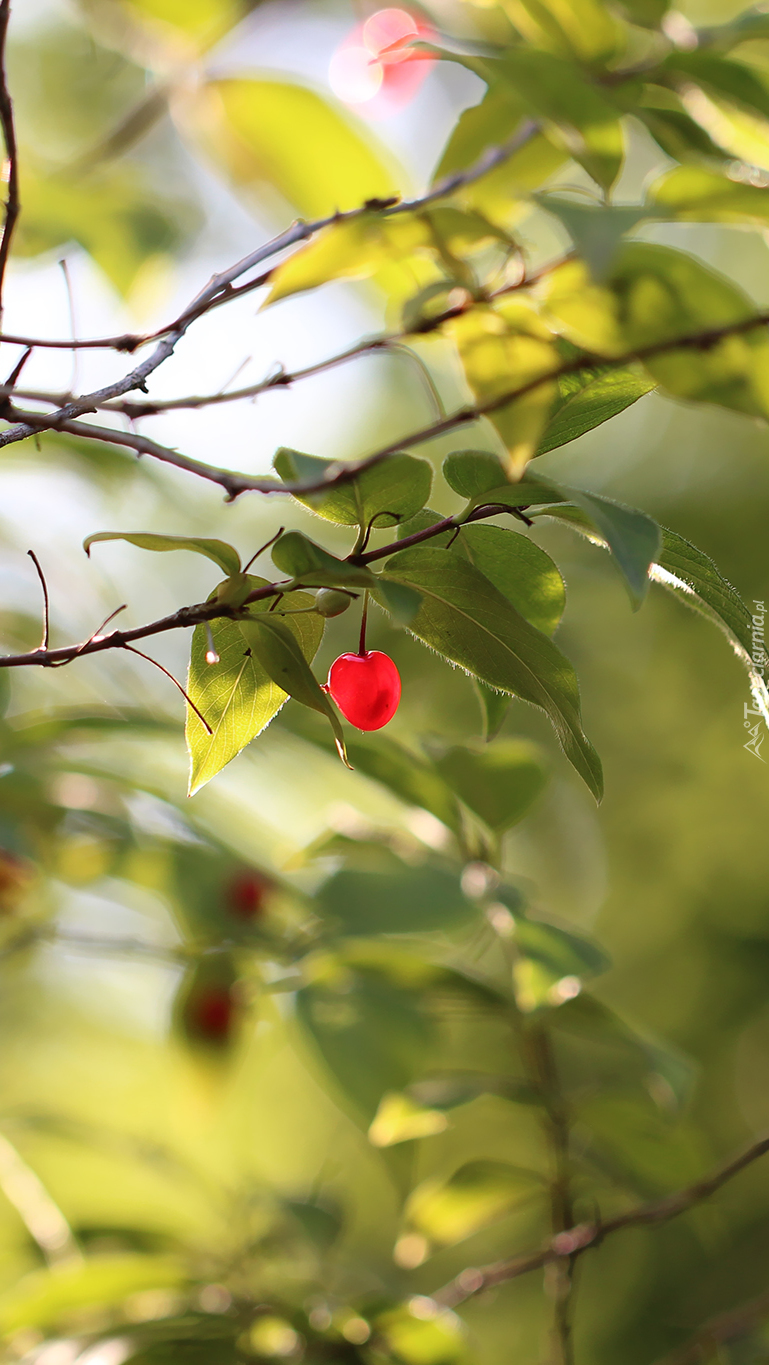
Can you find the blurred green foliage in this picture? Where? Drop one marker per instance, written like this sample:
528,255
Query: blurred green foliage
279,1059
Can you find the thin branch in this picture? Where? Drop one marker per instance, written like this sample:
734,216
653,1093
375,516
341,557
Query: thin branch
46,603
570,1244
201,612
236,483
12,203
175,682
219,288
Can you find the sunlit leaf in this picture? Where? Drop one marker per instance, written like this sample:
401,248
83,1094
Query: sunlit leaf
588,399
200,22
520,570
401,1119
237,695
479,1193
414,1337
43,1297
281,656
218,550
694,194
584,29
642,1146
281,136
595,229
465,618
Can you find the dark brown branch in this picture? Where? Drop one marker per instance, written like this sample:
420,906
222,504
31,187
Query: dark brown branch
570,1244
187,617
46,603
12,203
219,289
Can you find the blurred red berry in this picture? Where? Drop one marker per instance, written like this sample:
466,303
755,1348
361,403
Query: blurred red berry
376,68
211,1014
245,894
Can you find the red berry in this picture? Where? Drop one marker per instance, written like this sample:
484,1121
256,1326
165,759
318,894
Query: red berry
245,894
211,1014
366,688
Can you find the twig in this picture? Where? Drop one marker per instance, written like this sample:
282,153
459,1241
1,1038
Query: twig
201,612
72,319
46,605
578,1239
12,203
175,682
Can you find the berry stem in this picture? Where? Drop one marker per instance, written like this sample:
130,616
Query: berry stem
363,619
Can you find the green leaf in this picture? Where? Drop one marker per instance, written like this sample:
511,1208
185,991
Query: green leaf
692,577
465,618
413,1338
403,900
499,783
585,29
494,707
402,603
664,294
399,1118
313,567
348,250
202,22
387,492
495,120
219,551
647,1150
371,1031
676,133
522,572
578,117
548,957
588,399
596,230
693,194
281,136
733,80
280,654
632,536
479,1193
471,472
422,520
45,1297
237,695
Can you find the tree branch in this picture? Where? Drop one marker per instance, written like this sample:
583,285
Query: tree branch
12,203
219,288
570,1244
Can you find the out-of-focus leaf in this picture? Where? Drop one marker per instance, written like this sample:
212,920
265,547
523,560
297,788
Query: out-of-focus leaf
401,1119
118,220
200,22
734,80
664,294
522,572
499,355
402,603
499,783
237,695
494,707
403,900
287,138
385,493
642,1146
596,1050
648,13
596,230
585,29
588,399
226,556
694,194
44,1297
479,1193
447,1090
578,117
677,133
415,1338
348,250
465,618
320,1224
551,964
314,567
282,657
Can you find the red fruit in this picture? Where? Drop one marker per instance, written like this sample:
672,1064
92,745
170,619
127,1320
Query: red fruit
210,1016
366,688
245,894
